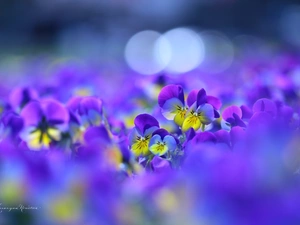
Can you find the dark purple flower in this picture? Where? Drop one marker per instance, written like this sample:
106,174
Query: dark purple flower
88,108
160,165
43,123
233,115
13,123
265,105
19,97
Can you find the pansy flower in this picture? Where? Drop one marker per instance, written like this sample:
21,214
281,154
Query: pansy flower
162,142
232,116
88,108
84,112
160,165
98,143
19,97
171,101
265,105
4,107
43,123
139,137
264,114
201,97
200,112
11,124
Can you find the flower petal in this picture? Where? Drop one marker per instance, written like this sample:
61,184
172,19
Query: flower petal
204,137
140,148
238,121
223,136
158,149
170,142
73,103
161,132
55,112
201,97
145,121
155,139
171,107
98,134
179,118
227,114
90,103
207,113
192,97
32,114
215,102
246,112
170,91
237,134
160,165
19,97
191,122
148,132
265,105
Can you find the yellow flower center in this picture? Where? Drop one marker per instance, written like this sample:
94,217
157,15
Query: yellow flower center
140,147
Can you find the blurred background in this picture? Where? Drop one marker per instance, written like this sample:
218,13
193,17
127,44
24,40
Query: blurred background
149,37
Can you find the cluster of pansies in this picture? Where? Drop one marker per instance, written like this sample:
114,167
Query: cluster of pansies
162,152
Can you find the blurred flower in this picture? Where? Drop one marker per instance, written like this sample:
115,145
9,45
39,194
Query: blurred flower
88,108
19,97
43,123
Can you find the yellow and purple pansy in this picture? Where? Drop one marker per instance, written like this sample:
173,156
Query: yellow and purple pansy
140,135
171,101
200,112
43,122
161,142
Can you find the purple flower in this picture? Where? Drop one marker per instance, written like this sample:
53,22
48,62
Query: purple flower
265,105
140,135
171,101
233,115
19,97
204,137
159,164
88,108
44,122
198,117
12,123
201,97
200,112
162,142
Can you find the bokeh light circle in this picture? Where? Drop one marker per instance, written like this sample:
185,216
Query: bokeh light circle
219,52
142,54
183,51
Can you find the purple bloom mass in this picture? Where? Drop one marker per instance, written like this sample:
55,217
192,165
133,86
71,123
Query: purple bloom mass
151,150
